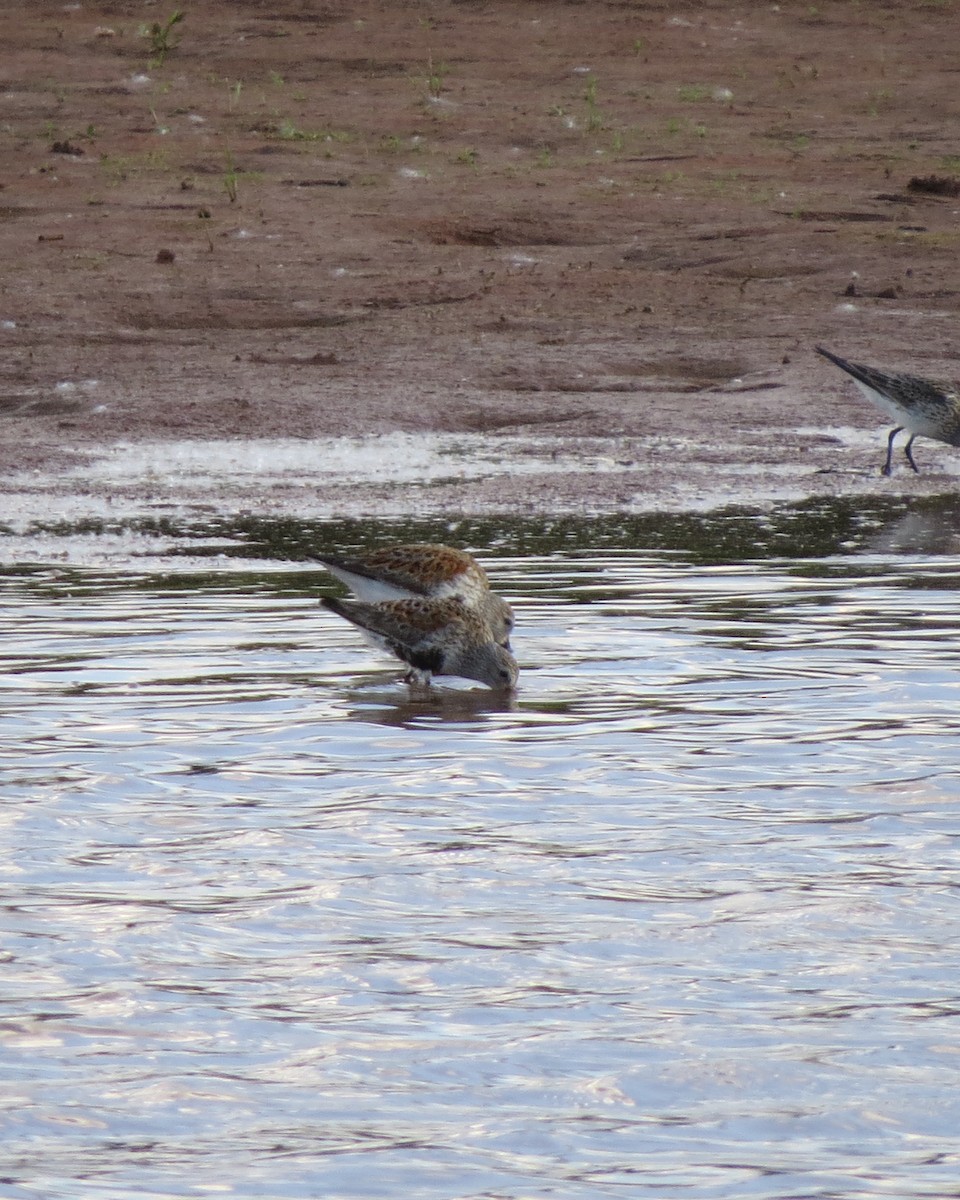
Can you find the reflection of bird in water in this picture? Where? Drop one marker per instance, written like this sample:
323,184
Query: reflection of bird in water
925,407
408,708
434,637
425,570
924,529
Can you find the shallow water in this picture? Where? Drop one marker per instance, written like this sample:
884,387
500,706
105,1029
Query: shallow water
683,919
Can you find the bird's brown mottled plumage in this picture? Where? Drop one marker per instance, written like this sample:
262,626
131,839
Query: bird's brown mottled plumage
432,571
434,637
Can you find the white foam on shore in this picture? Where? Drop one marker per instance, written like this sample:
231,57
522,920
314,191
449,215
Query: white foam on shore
391,458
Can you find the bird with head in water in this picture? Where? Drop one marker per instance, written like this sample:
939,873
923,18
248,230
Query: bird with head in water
433,637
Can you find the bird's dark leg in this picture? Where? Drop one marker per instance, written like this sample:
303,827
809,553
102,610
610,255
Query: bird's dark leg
887,467
906,451
417,679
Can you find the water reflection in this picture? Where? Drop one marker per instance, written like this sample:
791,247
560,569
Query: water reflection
666,921
813,529
921,529
399,705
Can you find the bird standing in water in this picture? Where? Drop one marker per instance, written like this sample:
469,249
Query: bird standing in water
433,637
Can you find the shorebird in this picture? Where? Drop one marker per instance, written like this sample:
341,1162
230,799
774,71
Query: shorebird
433,637
425,570
925,407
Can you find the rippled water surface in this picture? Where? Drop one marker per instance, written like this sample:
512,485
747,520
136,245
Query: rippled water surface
680,920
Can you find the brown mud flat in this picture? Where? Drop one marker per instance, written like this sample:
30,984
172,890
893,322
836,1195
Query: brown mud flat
606,230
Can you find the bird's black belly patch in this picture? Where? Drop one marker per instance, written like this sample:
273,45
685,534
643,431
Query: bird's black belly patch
423,660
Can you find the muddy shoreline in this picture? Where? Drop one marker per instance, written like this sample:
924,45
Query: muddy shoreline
559,271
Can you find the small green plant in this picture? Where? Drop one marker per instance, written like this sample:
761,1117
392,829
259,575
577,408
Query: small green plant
230,177
276,79
160,37
692,93
436,73
235,89
119,168
468,158
288,132
594,115
544,158
684,127
639,45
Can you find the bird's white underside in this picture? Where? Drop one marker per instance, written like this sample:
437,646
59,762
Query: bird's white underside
914,421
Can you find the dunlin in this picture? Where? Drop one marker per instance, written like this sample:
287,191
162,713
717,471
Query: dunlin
434,637
925,407
423,570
